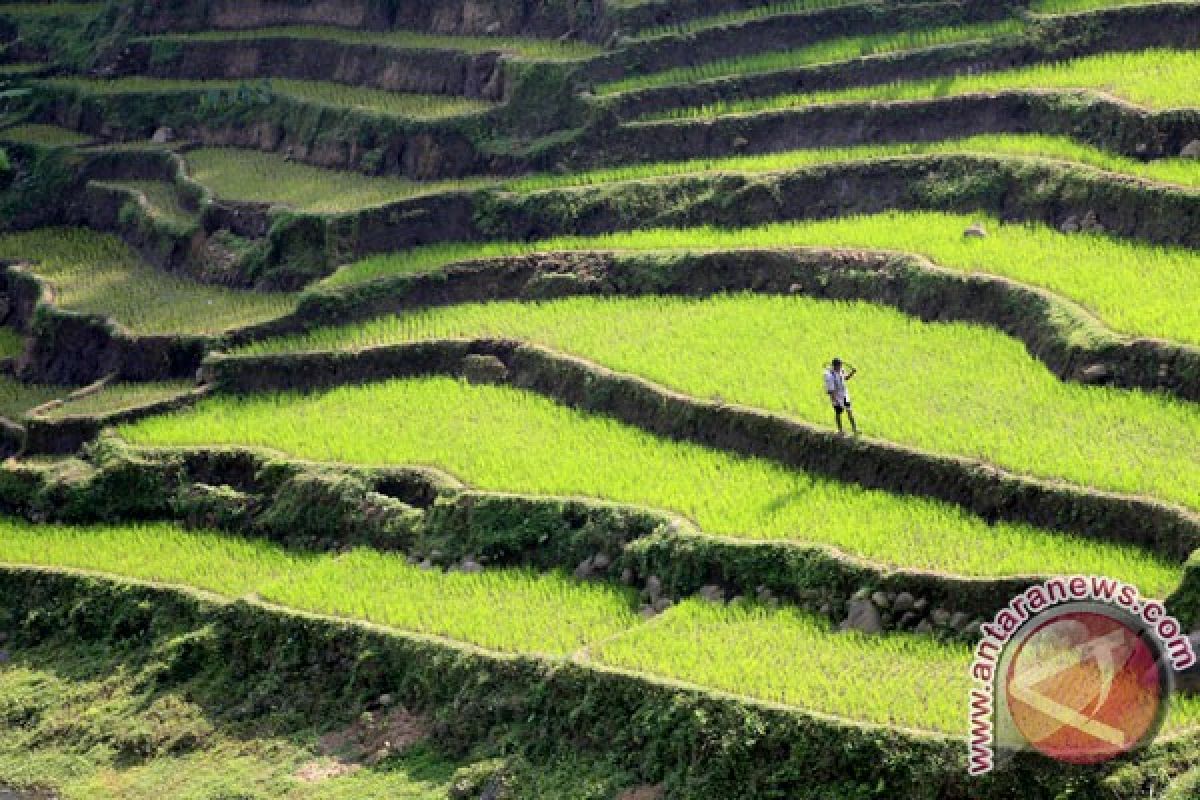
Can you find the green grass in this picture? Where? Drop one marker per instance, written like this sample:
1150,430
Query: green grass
97,273
117,397
950,388
163,201
822,52
735,17
256,176
253,176
1157,79
44,135
1132,287
508,610
895,679
333,95
1077,6
527,48
16,397
507,440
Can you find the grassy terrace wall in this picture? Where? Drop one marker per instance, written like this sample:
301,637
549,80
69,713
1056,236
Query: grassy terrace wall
538,17
787,31
1047,39
706,745
985,491
479,75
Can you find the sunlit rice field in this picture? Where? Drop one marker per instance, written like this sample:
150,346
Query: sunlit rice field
162,200
1157,79
951,388
893,679
500,609
97,273
1131,287
823,52
508,440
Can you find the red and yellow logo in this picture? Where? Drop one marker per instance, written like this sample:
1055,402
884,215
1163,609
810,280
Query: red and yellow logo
1084,687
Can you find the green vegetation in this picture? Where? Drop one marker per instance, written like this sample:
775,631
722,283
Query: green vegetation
1153,78
507,440
117,397
527,48
9,70
334,95
90,723
253,176
16,397
97,273
51,135
950,388
1130,286
499,609
822,52
735,17
162,200
1077,6
518,611
910,681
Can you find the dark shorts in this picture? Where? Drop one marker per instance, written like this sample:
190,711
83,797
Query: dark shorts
840,407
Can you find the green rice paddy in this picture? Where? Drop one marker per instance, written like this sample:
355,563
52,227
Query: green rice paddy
895,679
823,52
49,135
1132,287
97,273
1156,79
507,440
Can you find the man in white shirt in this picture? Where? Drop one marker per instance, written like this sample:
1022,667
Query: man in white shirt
835,387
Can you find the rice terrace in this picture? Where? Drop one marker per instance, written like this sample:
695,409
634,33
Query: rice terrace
600,399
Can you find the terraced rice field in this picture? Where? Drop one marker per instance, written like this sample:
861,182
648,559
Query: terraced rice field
1130,287
333,95
1154,79
989,400
518,611
98,274
506,440
822,52
676,674
116,397
253,176
163,201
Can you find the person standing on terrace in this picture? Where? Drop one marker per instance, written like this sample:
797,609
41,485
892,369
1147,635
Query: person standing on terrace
835,386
